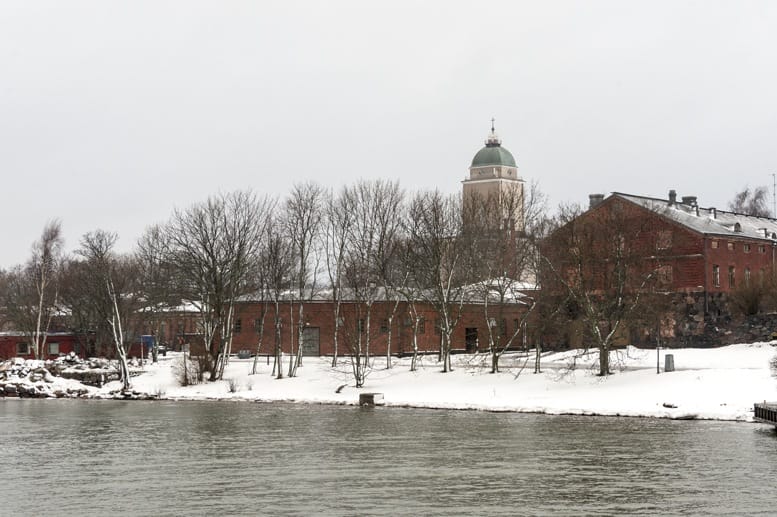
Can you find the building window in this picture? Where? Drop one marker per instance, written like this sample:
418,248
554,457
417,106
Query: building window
422,326
502,327
731,276
437,326
664,240
238,327
746,248
53,348
716,275
714,245
730,246
360,325
22,349
665,275
516,325
384,326
747,276
761,248
340,321
761,277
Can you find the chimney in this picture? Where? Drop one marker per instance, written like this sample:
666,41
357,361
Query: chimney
672,197
594,200
713,212
689,200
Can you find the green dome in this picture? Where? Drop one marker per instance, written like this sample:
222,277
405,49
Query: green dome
493,154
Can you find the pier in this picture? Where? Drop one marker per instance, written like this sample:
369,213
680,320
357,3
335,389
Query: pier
765,412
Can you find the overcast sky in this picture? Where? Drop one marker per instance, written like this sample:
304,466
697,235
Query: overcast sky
114,113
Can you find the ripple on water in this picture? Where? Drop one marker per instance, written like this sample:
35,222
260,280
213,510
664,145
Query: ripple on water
206,458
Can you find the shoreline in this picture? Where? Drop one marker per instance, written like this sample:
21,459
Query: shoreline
236,400
709,384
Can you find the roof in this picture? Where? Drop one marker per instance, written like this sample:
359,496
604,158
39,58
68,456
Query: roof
493,155
708,221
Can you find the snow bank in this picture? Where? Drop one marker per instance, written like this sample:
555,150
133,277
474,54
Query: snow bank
721,383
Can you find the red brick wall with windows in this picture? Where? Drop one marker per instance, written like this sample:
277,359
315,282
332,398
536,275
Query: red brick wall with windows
728,253
57,344
320,314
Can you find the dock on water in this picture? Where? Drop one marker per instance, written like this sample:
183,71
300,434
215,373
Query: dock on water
765,412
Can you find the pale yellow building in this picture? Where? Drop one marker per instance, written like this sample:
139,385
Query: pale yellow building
493,177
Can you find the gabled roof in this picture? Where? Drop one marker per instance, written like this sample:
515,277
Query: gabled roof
709,221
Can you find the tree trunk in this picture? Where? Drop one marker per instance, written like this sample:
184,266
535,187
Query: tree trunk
604,360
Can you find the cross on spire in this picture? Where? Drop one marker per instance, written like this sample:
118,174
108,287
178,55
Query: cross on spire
492,124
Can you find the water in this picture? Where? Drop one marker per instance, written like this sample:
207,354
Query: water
217,458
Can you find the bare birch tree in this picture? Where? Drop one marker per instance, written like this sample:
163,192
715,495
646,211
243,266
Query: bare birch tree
337,228
434,227
213,245
275,271
109,282
32,293
304,210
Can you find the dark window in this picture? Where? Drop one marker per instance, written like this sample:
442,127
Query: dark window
238,327
422,326
360,325
747,276
384,326
437,326
746,248
716,275
22,349
731,276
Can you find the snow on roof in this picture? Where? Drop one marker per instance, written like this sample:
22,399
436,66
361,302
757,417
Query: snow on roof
709,221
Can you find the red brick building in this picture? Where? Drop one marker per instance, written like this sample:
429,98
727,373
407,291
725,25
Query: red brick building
470,335
15,344
702,255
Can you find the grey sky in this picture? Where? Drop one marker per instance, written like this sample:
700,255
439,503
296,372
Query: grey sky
113,113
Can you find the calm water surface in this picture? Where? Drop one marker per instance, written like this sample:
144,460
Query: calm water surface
220,458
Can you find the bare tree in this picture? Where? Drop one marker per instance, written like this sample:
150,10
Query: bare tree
158,281
601,264
337,228
213,245
31,295
502,256
109,283
304,210
275,273
434,227
751,202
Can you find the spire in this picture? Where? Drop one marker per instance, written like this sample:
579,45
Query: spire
493,139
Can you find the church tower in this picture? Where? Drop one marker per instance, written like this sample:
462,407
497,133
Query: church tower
494,180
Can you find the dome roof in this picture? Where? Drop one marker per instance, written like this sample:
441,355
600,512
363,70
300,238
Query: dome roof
493,153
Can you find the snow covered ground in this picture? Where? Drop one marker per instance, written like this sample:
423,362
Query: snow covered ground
721,383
